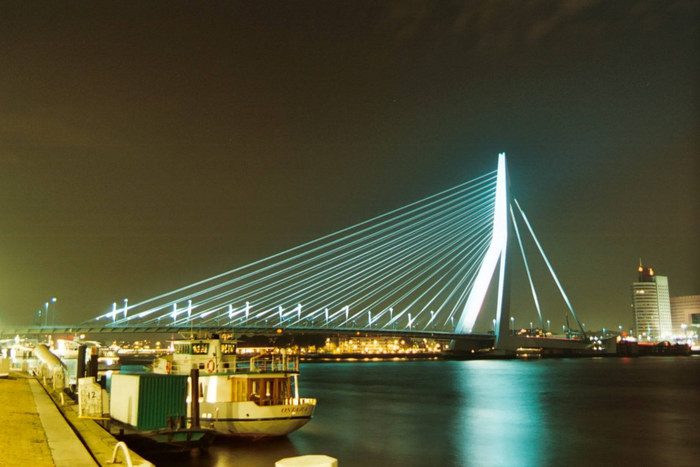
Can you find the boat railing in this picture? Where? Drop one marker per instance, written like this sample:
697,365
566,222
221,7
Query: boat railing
268,364
257,364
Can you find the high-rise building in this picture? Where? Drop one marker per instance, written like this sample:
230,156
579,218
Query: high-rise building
651,305
685,314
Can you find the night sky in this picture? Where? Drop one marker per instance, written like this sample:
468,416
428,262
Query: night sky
147,145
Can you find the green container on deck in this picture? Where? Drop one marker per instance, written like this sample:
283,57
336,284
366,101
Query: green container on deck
146,401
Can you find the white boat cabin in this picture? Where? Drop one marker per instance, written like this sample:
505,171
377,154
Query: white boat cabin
240,392
215,357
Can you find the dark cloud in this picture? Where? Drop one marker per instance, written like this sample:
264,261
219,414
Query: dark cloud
503,26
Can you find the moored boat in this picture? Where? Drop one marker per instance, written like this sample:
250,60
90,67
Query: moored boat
149,410
253,395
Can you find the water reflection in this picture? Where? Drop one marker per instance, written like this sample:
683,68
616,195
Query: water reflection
383,414
232,451
503,416
489,413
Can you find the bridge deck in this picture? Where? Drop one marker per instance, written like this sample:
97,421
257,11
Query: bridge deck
41,330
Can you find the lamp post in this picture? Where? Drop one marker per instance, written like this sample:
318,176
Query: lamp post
548,323
512,324
46,310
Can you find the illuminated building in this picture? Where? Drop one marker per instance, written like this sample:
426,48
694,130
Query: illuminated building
685,313
652,305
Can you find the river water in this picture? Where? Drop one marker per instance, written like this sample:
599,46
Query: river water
603,411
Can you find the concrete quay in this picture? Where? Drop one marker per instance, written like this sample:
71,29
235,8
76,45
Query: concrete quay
33,430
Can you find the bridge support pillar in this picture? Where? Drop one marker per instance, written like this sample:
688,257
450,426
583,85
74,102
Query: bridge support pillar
503,324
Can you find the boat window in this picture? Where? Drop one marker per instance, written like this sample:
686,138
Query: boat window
200,348
284,393
182,348
239,388
228,348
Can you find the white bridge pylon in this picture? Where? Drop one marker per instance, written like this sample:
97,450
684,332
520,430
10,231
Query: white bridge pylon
496,253
426,266
504,225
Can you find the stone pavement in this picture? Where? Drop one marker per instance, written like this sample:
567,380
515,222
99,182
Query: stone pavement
22,435
32,430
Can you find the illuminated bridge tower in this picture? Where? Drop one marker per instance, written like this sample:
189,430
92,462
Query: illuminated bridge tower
496,255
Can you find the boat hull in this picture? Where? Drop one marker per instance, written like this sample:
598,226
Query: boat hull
257,428
247,419
164,440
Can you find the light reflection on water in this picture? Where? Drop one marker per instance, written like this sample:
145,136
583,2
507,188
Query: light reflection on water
502,417
643,411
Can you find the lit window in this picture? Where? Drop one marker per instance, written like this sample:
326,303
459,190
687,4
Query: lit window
200,348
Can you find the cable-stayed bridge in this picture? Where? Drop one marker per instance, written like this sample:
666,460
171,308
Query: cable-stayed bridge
423,268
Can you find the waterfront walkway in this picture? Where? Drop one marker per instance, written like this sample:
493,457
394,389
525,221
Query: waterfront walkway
32,429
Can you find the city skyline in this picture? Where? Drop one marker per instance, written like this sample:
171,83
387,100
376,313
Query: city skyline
145,147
